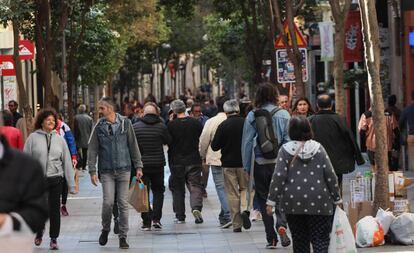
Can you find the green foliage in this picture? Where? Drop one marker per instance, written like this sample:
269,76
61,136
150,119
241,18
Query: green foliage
21,11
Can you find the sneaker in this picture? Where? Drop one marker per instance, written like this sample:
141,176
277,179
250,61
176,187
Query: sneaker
38,240
146,228
284,238
272,244
103,238
256,215
123,243
227,224
53,244
64,211
237,230
116,227
157,225
197,216
179,221
246,220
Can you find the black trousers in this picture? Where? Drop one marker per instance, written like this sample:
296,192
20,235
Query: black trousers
262,177
65,191
83,158
155,183
54,188
186,175
310,229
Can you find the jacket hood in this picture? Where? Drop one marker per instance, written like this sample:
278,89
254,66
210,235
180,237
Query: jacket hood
40,131
304,150
151,119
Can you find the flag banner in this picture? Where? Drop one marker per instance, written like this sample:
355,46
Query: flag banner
353,38
327,44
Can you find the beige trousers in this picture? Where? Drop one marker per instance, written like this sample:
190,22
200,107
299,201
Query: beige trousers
235,183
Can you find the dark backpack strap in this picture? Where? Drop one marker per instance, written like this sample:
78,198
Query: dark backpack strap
275,110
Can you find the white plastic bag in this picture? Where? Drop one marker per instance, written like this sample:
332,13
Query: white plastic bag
369,232
341,238
385,218
403,228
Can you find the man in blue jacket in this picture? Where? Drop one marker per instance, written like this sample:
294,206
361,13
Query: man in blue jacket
113,140
266,98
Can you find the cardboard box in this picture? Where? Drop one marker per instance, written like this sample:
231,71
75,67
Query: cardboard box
357,211
401,206
401,184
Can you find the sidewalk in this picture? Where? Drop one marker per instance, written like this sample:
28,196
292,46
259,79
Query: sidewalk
81,229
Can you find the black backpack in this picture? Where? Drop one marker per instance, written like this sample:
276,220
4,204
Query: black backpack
266,137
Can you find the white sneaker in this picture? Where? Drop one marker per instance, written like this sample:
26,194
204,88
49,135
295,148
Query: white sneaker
256,215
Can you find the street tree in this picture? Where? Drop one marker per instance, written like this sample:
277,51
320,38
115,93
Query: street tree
340,11
371,40
18,12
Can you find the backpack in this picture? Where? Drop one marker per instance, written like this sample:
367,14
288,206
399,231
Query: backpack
266,137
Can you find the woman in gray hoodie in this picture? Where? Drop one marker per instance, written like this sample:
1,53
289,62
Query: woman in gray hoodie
53,153
305,187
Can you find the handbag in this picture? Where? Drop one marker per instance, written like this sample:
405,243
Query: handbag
138,196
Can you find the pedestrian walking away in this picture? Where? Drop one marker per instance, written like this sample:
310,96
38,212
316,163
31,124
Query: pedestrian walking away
82,130
305,187
228,139
253,155
212,159
407,122
13,135
331,131
53,153
113,141
152,134
185,162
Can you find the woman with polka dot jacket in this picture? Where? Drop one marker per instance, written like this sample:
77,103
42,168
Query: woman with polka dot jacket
305,187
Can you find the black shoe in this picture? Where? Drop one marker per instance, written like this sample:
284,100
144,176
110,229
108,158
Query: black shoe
197,216
246,220
272,244
237,230
116,227
103,239
283,236
123,243
157,225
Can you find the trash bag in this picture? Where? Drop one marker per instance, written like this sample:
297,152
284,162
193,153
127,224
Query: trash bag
385,218
341,238
403,228
369,233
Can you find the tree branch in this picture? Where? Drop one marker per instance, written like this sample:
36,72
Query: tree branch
298,6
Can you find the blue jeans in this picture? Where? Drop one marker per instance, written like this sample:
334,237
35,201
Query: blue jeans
218,178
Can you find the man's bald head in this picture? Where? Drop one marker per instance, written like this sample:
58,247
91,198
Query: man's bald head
324,102
150,108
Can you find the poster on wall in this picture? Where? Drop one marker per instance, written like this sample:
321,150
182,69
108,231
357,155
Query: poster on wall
9,89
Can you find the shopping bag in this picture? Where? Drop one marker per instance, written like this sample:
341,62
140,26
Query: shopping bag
17,241
341,238
138,196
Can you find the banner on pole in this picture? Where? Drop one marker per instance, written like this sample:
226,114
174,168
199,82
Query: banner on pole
327,44
353,38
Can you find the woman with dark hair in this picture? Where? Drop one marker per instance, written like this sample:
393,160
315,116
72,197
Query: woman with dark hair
52,151
305,187
302,107
13,135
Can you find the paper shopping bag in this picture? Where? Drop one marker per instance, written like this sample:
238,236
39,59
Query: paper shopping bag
138,197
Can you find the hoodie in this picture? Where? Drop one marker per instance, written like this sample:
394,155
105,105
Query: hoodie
304,182
55,160
152,134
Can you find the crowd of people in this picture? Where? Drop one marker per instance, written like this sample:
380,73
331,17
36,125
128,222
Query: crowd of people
283,160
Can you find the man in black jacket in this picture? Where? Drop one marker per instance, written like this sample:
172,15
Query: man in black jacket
22,191
151,135
334,135
228,139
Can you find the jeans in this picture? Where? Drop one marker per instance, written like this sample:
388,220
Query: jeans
218,178
262,176
186,175
236,188
155,182
54,189
115,181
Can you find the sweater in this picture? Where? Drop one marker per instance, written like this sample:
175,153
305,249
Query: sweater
56,160
228,138
209,130
306,186
151,134
185,134
13,136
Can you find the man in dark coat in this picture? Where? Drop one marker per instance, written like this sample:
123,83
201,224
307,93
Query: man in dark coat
22,191
337,139
152,134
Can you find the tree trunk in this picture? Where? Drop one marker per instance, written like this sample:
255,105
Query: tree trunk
340,16
23,99
372,59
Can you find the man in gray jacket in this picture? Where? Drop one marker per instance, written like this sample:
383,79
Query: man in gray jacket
113,140
83,128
